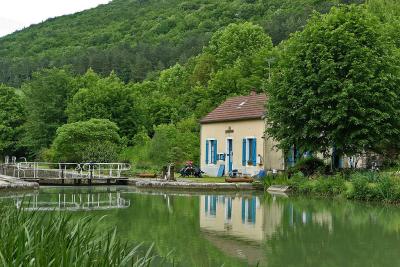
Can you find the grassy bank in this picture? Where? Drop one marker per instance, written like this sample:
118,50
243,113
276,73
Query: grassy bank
31,239
363,186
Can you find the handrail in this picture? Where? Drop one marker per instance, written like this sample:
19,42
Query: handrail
63,169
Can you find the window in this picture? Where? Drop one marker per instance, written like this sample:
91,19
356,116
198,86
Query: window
211,151
249,152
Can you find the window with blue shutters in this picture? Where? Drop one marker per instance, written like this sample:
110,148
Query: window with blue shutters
211,152
249,151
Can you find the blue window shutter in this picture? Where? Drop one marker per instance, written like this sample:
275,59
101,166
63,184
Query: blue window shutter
207,153
254,159
244,152
243,210
215,152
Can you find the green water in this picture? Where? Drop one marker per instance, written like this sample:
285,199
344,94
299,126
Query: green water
237,229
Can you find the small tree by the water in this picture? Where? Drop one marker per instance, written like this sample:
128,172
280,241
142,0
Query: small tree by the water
95,140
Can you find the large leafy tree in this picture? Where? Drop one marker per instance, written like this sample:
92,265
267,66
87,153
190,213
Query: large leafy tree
337,84
11,118
106,98
235,50
237,40
96,140
45,99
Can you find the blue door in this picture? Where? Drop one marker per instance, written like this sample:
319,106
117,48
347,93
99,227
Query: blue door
230,155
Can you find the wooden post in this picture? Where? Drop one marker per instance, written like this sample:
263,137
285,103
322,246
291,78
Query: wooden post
172,172
62,174
164,172
90,173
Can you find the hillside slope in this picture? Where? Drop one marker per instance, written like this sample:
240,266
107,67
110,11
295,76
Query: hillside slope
139,37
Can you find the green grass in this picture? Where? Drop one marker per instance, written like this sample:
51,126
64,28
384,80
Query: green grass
31,239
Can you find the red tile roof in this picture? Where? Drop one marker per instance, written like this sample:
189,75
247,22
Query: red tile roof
238,108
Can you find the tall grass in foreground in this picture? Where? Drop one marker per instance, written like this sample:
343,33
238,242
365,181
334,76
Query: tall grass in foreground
32,239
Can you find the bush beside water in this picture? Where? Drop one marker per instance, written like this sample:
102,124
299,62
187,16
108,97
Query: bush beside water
30,239
362,186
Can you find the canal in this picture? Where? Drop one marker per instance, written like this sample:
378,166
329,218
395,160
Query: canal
235,229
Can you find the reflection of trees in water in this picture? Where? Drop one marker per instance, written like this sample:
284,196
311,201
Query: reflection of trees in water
359,235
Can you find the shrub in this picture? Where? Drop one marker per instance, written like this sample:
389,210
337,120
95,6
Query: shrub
95,140
386,189
175,143
308,166
329,186
364,186
362,189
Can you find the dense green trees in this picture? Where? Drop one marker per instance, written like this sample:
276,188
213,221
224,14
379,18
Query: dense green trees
11,119
106,98
95,140
179,142
136,39
45,100
337,84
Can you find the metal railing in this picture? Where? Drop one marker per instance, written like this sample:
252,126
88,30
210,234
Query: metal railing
90,170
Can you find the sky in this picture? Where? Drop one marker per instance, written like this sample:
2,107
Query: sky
17,14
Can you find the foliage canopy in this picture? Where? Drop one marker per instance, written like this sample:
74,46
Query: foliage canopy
95,140
337,84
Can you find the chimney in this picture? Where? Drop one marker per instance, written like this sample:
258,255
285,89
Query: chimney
253,92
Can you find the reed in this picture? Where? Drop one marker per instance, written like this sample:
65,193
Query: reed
55,239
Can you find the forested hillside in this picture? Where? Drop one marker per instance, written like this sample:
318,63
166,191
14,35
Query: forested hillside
136,38
148,70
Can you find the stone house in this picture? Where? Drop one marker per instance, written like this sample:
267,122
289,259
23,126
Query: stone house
233,137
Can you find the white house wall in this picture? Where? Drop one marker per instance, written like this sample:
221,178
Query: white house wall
237,130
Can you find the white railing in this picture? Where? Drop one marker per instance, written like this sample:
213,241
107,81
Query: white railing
71,170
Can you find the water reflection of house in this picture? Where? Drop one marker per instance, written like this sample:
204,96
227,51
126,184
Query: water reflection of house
242,217
238,225
246,218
